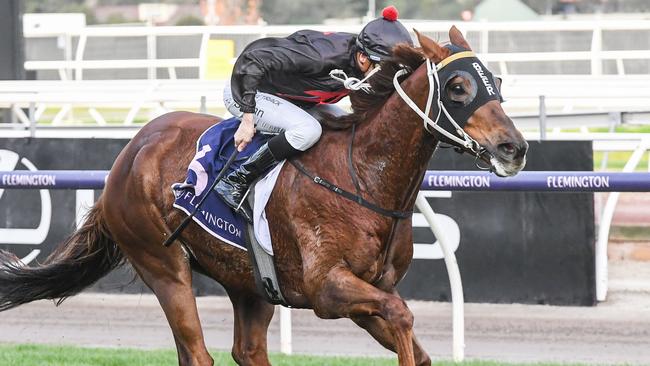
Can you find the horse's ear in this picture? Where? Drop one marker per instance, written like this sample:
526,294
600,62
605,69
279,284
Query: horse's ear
431,49
456,37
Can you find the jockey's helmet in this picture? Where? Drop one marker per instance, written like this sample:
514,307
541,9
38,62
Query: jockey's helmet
379,36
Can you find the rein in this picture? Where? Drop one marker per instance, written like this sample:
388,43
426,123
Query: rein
349,195
458,137
461,138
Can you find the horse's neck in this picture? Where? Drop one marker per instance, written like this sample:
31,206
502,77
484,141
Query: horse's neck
392,150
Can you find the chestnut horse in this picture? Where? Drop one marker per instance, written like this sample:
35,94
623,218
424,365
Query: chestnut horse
332,255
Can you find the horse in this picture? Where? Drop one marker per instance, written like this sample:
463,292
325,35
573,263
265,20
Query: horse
332,255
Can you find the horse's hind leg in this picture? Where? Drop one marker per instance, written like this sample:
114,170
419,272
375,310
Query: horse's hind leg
170,278
342,294
252,318
379,330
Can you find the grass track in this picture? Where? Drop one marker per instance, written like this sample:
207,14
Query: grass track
37,355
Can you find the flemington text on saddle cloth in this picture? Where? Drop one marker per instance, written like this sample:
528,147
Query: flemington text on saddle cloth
213,148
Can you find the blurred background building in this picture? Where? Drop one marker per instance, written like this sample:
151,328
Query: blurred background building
228,12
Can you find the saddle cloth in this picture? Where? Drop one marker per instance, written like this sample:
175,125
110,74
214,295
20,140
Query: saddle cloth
213,148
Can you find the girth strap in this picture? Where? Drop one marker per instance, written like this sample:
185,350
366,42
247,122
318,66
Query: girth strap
352,197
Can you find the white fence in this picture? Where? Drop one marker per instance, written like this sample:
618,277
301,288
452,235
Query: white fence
157,96
562,94
599,82
596,46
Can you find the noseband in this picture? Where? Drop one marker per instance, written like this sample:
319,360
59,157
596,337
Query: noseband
455,135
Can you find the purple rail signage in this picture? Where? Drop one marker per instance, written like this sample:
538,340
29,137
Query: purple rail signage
449,180
576,181
54,179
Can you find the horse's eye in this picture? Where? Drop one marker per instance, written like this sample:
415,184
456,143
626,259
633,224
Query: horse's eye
457,89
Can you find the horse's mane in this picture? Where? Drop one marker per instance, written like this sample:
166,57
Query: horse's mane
363,103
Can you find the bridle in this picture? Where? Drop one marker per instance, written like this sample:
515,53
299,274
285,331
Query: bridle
458,137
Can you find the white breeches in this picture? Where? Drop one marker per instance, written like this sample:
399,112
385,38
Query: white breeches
274,115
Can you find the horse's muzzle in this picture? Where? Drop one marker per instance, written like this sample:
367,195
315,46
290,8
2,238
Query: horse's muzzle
508,158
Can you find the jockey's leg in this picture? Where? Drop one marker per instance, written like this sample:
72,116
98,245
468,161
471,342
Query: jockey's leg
232,188
296,131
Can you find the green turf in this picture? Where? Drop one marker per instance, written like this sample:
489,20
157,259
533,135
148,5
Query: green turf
629,128
37,355
616,160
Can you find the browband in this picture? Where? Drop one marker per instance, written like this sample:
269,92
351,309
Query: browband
454,57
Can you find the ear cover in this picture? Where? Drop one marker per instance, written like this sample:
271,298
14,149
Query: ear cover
430,48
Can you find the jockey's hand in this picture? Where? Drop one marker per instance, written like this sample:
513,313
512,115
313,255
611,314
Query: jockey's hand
245,132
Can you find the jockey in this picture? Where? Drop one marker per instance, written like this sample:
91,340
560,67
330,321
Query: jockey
282,85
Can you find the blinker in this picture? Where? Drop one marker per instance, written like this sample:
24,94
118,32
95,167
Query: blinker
486,88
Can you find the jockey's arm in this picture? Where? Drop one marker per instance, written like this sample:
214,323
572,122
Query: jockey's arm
245,132
254,65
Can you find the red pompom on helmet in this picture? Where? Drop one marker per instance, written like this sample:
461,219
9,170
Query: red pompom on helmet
390,13
380,35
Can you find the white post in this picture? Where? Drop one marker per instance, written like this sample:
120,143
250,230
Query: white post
606,222
372,10
485,39
203,55
85,199
457,298
152,71
542,117
596,48
68,57
79,55
204,105
32,119
285,331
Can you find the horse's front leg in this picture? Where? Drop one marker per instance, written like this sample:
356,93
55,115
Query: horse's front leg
378,328
342,294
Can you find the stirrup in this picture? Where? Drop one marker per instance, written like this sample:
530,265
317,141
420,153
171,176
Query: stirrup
243,199
244,209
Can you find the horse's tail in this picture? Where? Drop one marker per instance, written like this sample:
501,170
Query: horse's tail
85,257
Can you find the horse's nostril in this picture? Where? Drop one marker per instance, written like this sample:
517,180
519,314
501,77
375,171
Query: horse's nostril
514,151
508,149
523,149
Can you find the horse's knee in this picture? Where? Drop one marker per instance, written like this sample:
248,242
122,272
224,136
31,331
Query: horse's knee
396,313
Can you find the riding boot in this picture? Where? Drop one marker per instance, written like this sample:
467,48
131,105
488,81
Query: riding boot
234,186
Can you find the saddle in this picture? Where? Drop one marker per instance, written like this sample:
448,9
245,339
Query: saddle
213,148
